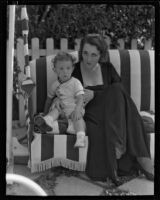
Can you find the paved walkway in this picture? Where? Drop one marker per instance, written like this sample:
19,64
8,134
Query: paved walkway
140,186
75,186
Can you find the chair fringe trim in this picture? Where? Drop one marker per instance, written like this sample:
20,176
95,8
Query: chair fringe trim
55,162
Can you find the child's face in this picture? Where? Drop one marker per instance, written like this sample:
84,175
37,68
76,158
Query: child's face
64,70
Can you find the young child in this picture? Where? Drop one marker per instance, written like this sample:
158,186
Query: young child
69,99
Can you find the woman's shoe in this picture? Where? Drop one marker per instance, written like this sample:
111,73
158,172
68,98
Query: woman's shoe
116,180
146,167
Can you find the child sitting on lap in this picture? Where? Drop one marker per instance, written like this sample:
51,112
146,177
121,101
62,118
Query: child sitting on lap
69,99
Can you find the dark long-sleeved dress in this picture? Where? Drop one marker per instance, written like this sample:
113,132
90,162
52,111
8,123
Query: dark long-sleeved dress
112,120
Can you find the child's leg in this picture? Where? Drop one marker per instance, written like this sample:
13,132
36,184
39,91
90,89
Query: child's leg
52,116
79,127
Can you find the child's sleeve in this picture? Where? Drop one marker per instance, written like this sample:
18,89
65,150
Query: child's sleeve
78,88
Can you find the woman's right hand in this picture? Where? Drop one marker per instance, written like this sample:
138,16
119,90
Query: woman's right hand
88,95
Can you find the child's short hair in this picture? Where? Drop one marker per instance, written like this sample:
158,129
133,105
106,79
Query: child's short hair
63,56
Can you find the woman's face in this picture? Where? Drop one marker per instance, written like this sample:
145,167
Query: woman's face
90,55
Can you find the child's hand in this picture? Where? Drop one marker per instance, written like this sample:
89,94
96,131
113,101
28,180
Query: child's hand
76,115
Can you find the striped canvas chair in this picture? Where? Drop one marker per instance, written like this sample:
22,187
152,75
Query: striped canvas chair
136,68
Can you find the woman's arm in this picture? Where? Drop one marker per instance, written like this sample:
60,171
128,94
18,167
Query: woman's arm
88,95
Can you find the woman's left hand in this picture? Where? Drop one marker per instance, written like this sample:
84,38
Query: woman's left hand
88,95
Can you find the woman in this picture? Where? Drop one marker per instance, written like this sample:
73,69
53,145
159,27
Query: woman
117,140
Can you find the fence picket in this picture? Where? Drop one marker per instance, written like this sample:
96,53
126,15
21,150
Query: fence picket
77,44
121,43
108,40
49,46
148,44
35,48
64,44
134,44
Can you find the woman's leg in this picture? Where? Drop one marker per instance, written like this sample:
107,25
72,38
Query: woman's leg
97,166
112,117
135,136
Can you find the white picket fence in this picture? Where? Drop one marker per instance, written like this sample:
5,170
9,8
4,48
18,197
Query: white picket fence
35,52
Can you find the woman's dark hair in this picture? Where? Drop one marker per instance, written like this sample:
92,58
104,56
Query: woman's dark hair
99,42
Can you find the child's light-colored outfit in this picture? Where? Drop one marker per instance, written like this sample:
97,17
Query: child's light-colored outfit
66,92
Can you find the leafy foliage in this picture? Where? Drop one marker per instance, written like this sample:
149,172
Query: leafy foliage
75,20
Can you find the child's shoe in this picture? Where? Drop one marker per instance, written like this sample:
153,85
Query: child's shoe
42,125
80,141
